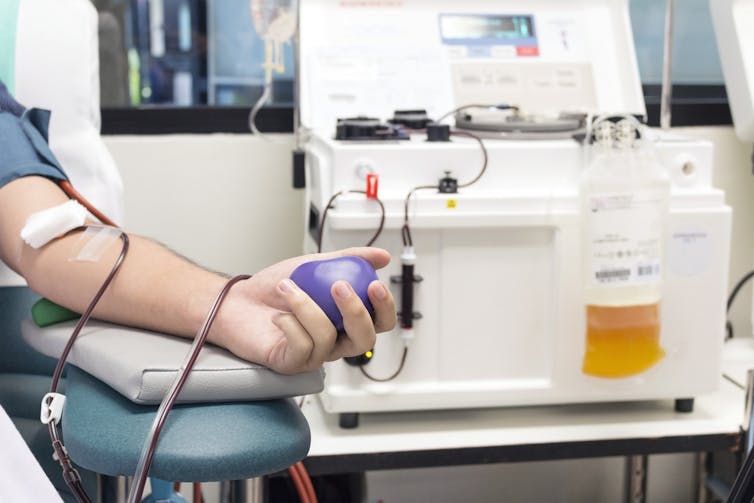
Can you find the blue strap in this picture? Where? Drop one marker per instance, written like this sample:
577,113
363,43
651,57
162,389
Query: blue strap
8,23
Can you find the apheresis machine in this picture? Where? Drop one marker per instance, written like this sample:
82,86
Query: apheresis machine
547,247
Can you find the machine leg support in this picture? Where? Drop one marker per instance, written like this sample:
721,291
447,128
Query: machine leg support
636,479
348,420
244,491
684,405
254,490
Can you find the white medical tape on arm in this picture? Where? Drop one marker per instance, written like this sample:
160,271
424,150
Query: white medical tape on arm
45,225
95,241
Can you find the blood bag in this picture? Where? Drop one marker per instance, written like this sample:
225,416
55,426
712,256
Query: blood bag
274,18
625,197
275,23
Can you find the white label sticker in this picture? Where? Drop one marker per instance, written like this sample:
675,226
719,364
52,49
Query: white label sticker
689,251
625,238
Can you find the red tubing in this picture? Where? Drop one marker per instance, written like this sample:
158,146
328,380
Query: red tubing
300,488
66,186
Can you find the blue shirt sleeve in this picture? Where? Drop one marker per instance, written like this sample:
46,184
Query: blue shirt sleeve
23,142
8,103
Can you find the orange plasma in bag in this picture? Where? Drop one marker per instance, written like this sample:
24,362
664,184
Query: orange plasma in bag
622,341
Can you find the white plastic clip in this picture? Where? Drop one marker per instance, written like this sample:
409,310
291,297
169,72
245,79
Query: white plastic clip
408,257
406,335
52,408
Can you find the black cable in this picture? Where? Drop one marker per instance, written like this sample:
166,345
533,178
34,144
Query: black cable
485,156
392,376
406,230
738,287
321,230
731,298
371,241
406,235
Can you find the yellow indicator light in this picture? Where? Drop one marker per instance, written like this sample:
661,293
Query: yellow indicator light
368,354
451,204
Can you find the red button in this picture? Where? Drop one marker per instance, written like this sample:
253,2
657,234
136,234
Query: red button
527,50
372,183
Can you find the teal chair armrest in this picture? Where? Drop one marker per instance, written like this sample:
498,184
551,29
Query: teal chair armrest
104,432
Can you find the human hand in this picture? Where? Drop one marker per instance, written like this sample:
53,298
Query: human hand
271,321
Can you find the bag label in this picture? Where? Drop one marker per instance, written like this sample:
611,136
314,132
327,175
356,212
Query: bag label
625,238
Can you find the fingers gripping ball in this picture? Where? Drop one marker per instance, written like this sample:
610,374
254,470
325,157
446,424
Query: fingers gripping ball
316,279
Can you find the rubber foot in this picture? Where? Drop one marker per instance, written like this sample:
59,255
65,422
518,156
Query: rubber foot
348,420
684,404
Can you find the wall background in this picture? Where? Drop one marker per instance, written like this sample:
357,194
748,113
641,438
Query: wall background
226,201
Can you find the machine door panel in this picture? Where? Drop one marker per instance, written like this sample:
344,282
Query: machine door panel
496,303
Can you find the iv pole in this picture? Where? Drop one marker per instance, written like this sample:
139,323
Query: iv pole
298,158
667,66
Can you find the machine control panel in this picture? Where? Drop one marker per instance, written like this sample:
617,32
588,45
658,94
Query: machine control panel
369,58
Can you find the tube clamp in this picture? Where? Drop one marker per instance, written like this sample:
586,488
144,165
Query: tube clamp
52,408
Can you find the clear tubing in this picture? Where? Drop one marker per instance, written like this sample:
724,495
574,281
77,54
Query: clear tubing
275,21
265,97
255,110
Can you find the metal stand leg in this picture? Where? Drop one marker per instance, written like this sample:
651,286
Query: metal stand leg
128,483
244,491
701,495
99,496
636,479
254,489
110,489
226,491
749,412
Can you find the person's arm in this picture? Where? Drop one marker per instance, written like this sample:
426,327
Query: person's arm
266,319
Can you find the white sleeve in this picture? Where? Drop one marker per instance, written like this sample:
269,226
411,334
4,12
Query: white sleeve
21,476
57,68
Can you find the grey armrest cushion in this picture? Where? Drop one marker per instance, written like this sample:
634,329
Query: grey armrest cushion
141,365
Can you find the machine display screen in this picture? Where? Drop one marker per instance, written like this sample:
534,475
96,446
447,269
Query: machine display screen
487,29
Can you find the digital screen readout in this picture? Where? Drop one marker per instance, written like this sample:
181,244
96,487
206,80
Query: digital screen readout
505,29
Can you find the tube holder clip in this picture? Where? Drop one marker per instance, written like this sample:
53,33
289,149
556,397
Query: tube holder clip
52,408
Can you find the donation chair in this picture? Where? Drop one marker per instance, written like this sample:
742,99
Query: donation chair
233,421
49,59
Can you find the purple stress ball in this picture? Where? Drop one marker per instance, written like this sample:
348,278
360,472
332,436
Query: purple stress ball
316,279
